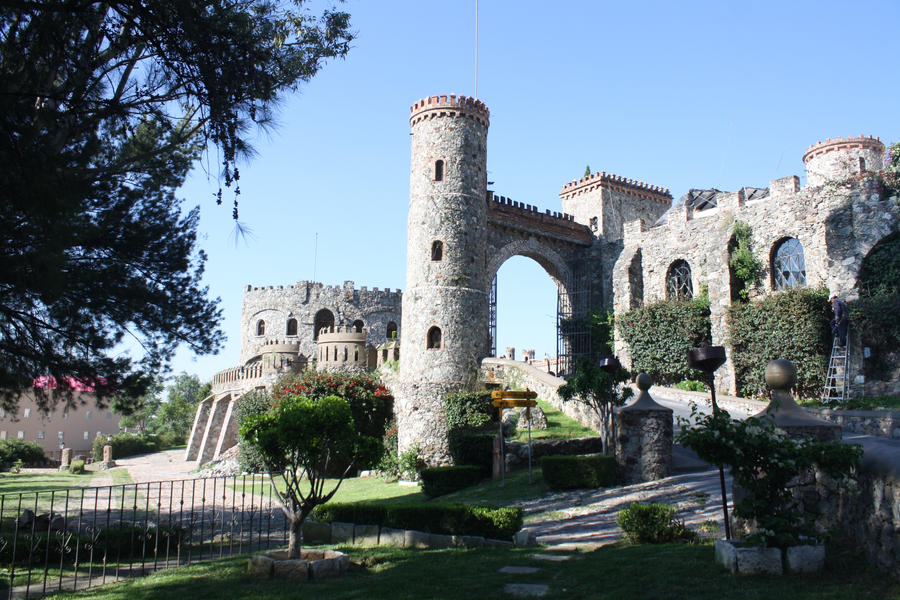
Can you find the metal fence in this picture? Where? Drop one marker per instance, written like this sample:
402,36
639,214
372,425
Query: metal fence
79,538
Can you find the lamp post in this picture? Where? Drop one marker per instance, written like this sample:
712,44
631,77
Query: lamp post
708,359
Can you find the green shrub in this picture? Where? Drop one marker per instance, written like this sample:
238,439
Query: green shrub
125,444
438,481
255,402
30,453
371,405
691,385
450,519
464,410
874,319
76,467
659,336
563,472
652,524
792,324
472,448
119,542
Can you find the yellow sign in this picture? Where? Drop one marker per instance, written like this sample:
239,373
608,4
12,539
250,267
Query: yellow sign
511,394
513,402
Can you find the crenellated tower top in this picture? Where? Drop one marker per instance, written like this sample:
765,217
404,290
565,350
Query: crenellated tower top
449,106
842,158
619,183
847,143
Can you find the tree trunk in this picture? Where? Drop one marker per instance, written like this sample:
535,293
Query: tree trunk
295,540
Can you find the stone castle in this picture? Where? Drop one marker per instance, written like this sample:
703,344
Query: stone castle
616,243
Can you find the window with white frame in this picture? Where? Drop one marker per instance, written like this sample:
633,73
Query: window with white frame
40,435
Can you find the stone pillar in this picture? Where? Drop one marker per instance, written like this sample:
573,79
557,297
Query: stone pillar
781,377
107,454
66,459
643,438
510,353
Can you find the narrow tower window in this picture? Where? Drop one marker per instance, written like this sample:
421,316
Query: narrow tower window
292,327
437,250
862,165
434,338
439,170
260,327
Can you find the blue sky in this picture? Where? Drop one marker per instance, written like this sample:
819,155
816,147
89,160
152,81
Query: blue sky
678,94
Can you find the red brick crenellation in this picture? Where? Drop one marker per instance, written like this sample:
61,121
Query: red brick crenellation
829,145
449,106
617,183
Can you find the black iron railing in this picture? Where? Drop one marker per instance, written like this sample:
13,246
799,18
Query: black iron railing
78,538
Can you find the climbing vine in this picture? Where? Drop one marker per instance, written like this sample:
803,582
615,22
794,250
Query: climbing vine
746,269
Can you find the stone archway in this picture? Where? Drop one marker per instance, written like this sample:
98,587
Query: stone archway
554,264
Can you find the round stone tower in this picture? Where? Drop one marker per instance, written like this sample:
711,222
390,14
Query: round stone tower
445,302
842,158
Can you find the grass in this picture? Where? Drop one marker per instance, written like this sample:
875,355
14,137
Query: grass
559,427
29,483
864,403
618,571
374,489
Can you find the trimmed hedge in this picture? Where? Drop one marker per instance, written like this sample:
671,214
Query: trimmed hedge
450,519
563,472
438,481
792,324
653,524
874,320
659,336
125,444
469,447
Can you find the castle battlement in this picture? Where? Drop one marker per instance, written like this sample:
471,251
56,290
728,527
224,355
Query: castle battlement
327,334
449,106
838,144
509,213
617,183
318,288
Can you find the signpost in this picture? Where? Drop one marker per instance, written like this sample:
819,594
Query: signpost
512,399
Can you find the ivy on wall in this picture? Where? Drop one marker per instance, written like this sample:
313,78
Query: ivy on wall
746,269
659,336
792,324
874,315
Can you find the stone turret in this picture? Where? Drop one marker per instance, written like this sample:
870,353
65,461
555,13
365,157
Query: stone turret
445,306
842,158
342,349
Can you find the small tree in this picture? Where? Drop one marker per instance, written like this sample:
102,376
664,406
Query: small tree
600,391
299,440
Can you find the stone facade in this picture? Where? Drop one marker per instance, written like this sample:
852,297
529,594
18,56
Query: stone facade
276,306
837,221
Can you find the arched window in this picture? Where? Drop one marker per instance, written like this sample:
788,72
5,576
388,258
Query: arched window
437,250
292,327
345,353
788,265
439,170
324,318
391,330
358,326
260,327
434,338
678,281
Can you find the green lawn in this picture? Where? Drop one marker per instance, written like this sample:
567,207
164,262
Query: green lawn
375,489
559,426
615,572
28,483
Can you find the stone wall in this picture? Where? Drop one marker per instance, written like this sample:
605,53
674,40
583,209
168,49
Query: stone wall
878,423
275,305
520,375
836,224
